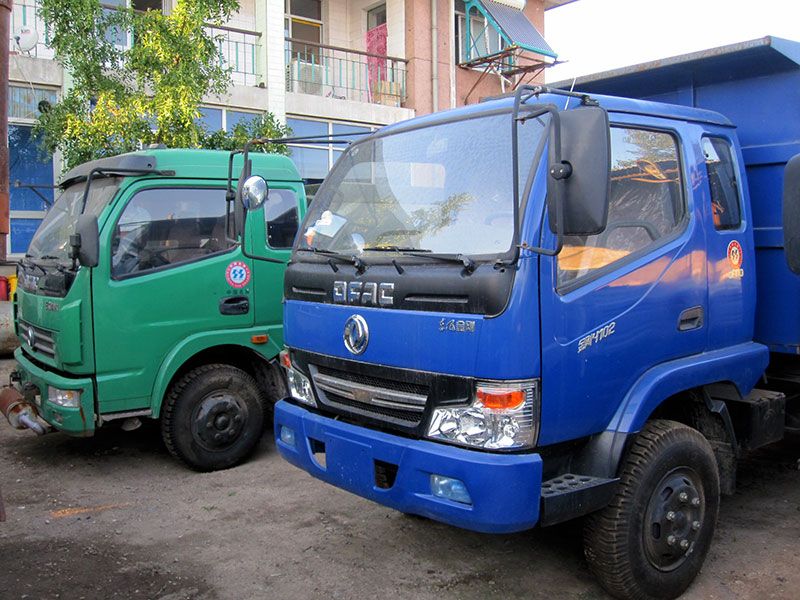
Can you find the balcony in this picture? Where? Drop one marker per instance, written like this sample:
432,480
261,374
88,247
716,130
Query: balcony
238,49
342,73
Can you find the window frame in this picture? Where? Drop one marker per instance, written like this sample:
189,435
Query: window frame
680,229
739,191
131,193
297,213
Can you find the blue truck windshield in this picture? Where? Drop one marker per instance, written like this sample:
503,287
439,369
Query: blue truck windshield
444,188
51,240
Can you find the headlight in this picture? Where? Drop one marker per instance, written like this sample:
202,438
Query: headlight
299,385
503,415
68,398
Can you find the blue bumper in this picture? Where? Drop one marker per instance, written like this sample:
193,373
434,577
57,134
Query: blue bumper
505,489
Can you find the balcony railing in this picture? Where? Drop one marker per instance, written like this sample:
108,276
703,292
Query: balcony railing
26,15
335,72
238,49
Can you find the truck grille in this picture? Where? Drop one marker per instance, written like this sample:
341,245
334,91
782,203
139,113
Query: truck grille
40,340
375,397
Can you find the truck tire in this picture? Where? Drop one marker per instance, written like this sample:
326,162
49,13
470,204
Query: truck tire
651,541
213,417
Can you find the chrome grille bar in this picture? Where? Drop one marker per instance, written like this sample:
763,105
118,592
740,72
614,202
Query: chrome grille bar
370,395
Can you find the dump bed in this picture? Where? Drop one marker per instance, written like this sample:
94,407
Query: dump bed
755,84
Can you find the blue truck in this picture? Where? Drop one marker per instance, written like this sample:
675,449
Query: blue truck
556,305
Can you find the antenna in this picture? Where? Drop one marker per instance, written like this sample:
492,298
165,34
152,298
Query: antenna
26,39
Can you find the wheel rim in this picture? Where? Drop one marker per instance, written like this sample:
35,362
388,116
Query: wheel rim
673,519
219,420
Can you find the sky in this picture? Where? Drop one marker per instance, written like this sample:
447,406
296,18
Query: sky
598,35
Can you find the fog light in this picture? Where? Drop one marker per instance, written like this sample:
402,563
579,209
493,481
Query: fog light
287,436
67,398
450,489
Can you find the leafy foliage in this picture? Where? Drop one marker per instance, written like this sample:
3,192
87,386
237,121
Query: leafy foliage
262,126
121,95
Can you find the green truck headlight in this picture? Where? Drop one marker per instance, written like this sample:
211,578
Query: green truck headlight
67,398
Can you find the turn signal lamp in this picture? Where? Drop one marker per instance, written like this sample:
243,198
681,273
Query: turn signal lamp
500,398
286,361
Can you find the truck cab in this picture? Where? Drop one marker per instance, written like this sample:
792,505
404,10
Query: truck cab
534,309
166,303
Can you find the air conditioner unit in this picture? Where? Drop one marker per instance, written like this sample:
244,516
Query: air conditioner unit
305,77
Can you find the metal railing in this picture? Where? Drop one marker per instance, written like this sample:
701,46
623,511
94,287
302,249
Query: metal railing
25,14
238,51
343,73
237,48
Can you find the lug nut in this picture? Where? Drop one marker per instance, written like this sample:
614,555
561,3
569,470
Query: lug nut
671,540
683,497
684,544
218,437
695,525
695,501
671,515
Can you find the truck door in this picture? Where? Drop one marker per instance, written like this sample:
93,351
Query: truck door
729,320
169,274
616,304
271,231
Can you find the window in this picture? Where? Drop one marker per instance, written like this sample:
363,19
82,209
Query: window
280,214
315,159
167,226
146,5
216,119
485,39
645,204
721,171
303,24
29,201
376,16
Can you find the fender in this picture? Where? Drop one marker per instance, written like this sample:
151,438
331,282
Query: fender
742,364
194,344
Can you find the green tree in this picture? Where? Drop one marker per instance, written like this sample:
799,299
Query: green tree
124,95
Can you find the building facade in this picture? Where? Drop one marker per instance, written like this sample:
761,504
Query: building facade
323,66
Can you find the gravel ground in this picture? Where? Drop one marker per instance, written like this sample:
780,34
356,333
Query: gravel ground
115,516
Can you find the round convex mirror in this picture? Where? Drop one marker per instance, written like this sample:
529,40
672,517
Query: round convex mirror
254,192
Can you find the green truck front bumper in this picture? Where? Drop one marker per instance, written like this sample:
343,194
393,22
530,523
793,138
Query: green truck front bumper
35,383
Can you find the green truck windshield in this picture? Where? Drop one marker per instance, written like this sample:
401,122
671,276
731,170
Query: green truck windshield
445,188
51,240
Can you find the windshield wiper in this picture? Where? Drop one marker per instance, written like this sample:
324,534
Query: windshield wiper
359,264
462,259
393,249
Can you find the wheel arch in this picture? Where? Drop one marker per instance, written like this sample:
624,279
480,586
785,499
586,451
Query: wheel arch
195,352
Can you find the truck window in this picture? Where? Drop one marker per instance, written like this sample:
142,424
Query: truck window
280,213
168,226
645,204
721,171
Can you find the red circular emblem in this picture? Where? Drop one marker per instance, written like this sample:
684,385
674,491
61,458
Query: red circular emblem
735,254
237,274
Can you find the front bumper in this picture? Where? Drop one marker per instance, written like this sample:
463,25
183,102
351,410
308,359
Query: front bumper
504,488
33,384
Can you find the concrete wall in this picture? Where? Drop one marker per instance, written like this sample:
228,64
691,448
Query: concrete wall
455,82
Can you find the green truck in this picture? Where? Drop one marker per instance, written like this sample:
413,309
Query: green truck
149,292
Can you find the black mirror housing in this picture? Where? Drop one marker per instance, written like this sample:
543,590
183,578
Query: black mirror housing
86,231
791,213
583,172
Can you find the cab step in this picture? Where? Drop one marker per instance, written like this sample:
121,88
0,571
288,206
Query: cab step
573,495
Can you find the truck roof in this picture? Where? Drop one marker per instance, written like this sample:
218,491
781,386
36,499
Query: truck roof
613,104
190,163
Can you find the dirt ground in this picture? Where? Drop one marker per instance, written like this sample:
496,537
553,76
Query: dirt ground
115,516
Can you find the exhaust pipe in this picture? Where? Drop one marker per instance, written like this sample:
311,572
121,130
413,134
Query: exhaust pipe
20,413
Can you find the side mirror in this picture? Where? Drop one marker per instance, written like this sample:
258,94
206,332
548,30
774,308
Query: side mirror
582,174
86,241
791,213
254,192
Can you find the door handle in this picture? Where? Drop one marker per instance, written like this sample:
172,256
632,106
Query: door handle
691,318
234,305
